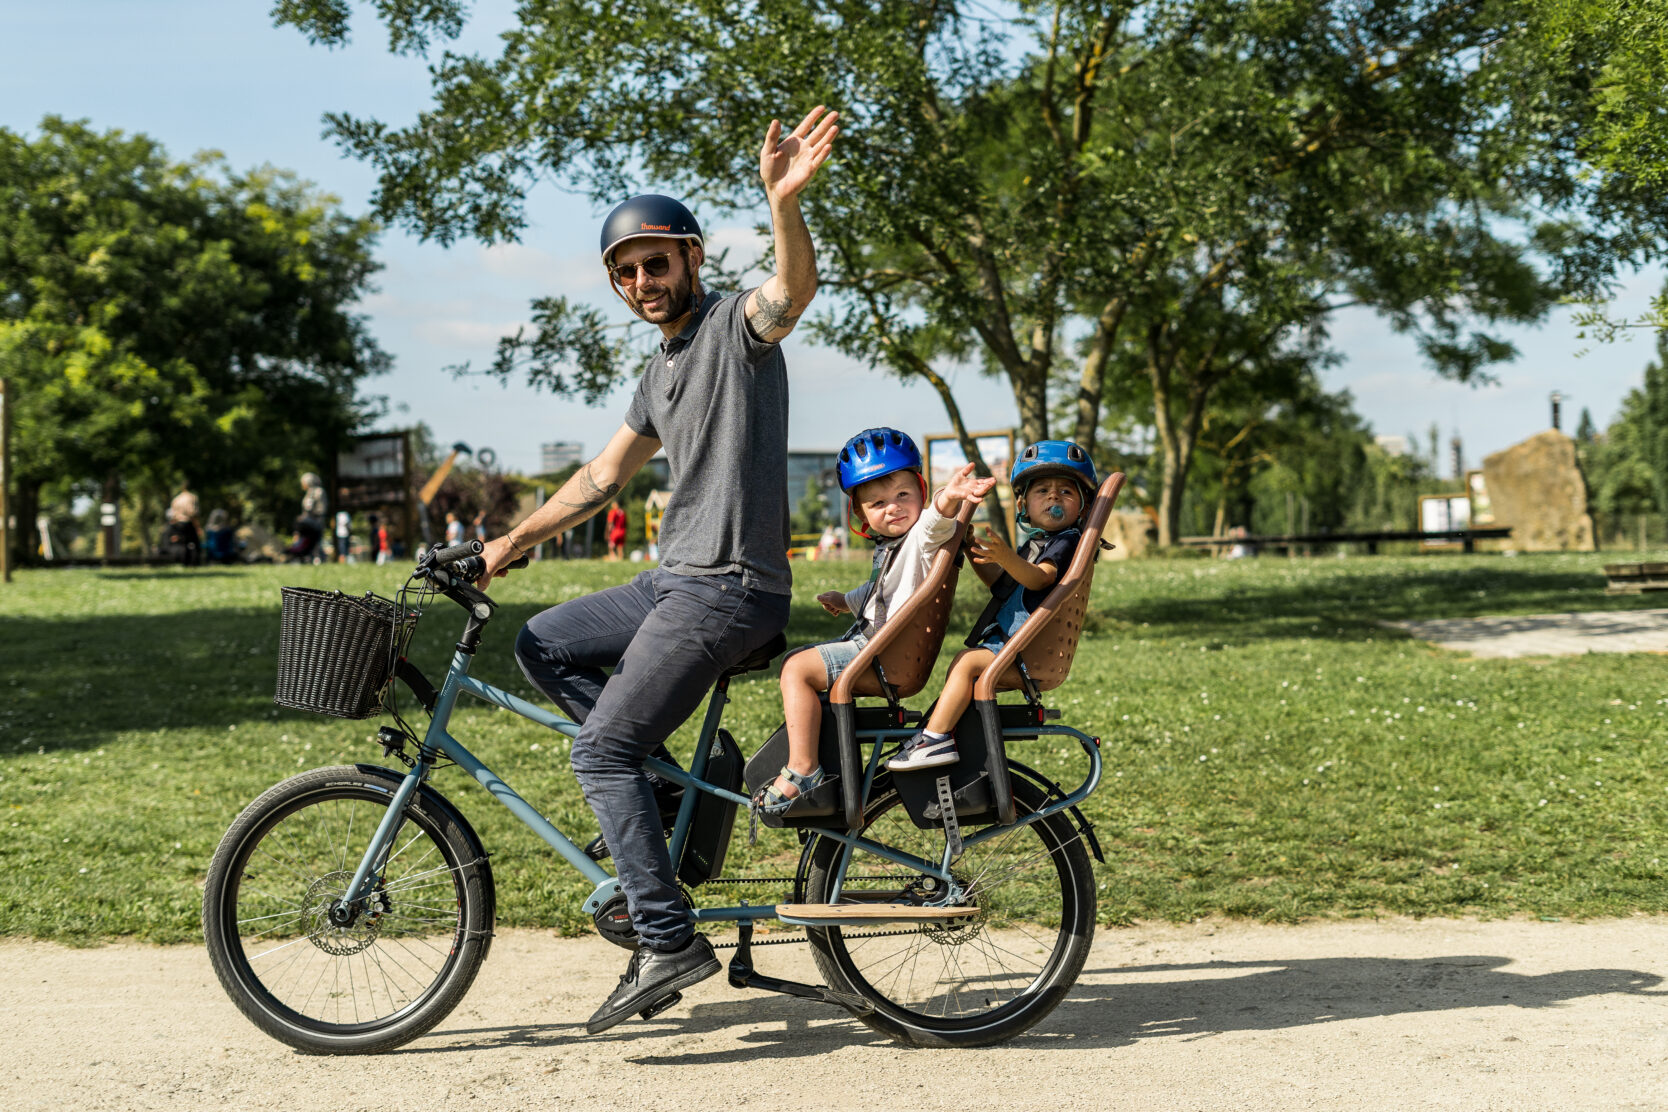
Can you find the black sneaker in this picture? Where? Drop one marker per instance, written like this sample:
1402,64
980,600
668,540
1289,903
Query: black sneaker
651,978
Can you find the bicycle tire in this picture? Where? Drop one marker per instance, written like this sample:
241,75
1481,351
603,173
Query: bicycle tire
278,868
1054,914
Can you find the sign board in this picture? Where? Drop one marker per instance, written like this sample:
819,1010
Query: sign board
373,472
945,456
1443,513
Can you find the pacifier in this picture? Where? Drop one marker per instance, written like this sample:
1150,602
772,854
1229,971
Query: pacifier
1056,512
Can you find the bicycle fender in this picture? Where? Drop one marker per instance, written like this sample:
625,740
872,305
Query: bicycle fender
434,801
1050,788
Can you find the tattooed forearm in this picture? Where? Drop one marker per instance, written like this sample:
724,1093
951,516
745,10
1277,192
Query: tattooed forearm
590,495
771,316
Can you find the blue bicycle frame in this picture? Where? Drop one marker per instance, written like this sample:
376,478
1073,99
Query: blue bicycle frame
438,742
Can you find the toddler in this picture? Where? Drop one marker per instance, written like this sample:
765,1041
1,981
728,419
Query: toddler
1053,482
881,470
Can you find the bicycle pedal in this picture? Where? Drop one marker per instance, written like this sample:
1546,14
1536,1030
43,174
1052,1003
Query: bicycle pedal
661,1005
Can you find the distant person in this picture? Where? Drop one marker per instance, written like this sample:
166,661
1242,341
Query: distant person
220,539
454,530
480,527
379,540
616,532
828,542
309,527
183,539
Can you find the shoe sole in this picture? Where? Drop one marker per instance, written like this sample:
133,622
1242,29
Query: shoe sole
930,762
676,984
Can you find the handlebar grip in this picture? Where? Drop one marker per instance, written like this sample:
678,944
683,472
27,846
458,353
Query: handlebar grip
518,563
456,552
471,568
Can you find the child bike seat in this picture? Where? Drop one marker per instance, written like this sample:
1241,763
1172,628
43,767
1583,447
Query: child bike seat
1038,656
898,660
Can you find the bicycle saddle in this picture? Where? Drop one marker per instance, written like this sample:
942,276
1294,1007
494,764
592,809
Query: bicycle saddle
759,658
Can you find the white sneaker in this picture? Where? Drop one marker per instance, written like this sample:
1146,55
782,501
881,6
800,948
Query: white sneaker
921,752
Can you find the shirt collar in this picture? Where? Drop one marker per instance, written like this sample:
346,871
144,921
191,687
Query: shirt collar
687,332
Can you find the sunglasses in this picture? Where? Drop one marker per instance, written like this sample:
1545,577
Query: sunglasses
655,266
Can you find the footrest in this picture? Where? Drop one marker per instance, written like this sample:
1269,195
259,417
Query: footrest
823,915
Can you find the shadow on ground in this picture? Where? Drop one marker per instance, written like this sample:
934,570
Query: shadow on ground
1130,1003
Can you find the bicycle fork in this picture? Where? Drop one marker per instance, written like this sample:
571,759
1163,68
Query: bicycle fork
345,910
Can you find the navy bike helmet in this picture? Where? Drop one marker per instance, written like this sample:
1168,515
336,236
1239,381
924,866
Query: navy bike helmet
1052,457
650,214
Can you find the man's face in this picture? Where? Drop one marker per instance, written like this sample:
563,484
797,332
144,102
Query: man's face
663,299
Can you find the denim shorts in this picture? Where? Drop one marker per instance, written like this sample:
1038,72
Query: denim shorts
836,655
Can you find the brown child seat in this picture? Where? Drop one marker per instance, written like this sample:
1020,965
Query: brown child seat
898,660
1038,657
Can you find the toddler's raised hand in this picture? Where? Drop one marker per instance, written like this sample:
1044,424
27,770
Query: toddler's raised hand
963,487
834,602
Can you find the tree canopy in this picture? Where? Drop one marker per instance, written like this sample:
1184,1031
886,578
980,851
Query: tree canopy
1038,187
165,321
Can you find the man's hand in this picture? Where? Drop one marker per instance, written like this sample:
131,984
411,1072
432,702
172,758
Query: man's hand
499,554
962,487
787,165
834,602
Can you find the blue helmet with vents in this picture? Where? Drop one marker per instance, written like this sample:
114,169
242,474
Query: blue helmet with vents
1052,458
874,454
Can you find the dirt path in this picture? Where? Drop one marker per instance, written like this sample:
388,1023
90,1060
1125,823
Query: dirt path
1442,1014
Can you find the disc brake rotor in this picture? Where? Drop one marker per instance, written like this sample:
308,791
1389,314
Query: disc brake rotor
341,941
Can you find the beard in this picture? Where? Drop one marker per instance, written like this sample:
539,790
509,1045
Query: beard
673,300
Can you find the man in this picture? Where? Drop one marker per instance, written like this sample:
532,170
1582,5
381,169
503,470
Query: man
715,397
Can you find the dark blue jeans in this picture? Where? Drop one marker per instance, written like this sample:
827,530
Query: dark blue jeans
668,638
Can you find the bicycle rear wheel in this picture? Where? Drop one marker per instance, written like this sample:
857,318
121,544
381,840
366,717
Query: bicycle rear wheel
980,981
372,984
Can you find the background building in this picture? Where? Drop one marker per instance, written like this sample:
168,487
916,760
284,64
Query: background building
560,454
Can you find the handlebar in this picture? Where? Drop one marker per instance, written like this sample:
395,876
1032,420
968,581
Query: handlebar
451,554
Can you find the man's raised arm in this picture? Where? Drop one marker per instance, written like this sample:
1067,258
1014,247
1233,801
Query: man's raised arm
590,488
786,166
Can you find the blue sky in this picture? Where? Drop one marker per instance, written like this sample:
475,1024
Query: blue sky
201,75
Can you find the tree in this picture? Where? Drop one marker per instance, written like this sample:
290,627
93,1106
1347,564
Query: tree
164,321
1016,184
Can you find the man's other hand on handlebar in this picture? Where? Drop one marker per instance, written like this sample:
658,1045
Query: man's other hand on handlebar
500,553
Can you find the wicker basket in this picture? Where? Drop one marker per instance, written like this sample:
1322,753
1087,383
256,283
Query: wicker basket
336,653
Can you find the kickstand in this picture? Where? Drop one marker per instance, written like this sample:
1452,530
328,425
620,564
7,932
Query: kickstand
743,975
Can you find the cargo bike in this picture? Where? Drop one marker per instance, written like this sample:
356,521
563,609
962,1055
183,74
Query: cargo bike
347,910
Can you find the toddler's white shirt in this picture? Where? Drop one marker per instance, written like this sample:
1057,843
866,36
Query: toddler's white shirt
929,534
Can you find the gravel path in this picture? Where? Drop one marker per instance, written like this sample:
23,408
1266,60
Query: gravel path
1599,631
1397,1014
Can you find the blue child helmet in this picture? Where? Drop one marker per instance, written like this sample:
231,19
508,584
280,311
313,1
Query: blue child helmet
1052,457
874,453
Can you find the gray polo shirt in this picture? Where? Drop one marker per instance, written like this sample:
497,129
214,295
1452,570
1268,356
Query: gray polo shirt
717,400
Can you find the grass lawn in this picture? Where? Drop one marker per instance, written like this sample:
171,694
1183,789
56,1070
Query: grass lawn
1271,750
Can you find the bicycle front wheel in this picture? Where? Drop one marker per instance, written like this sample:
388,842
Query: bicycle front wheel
404,960
979,981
